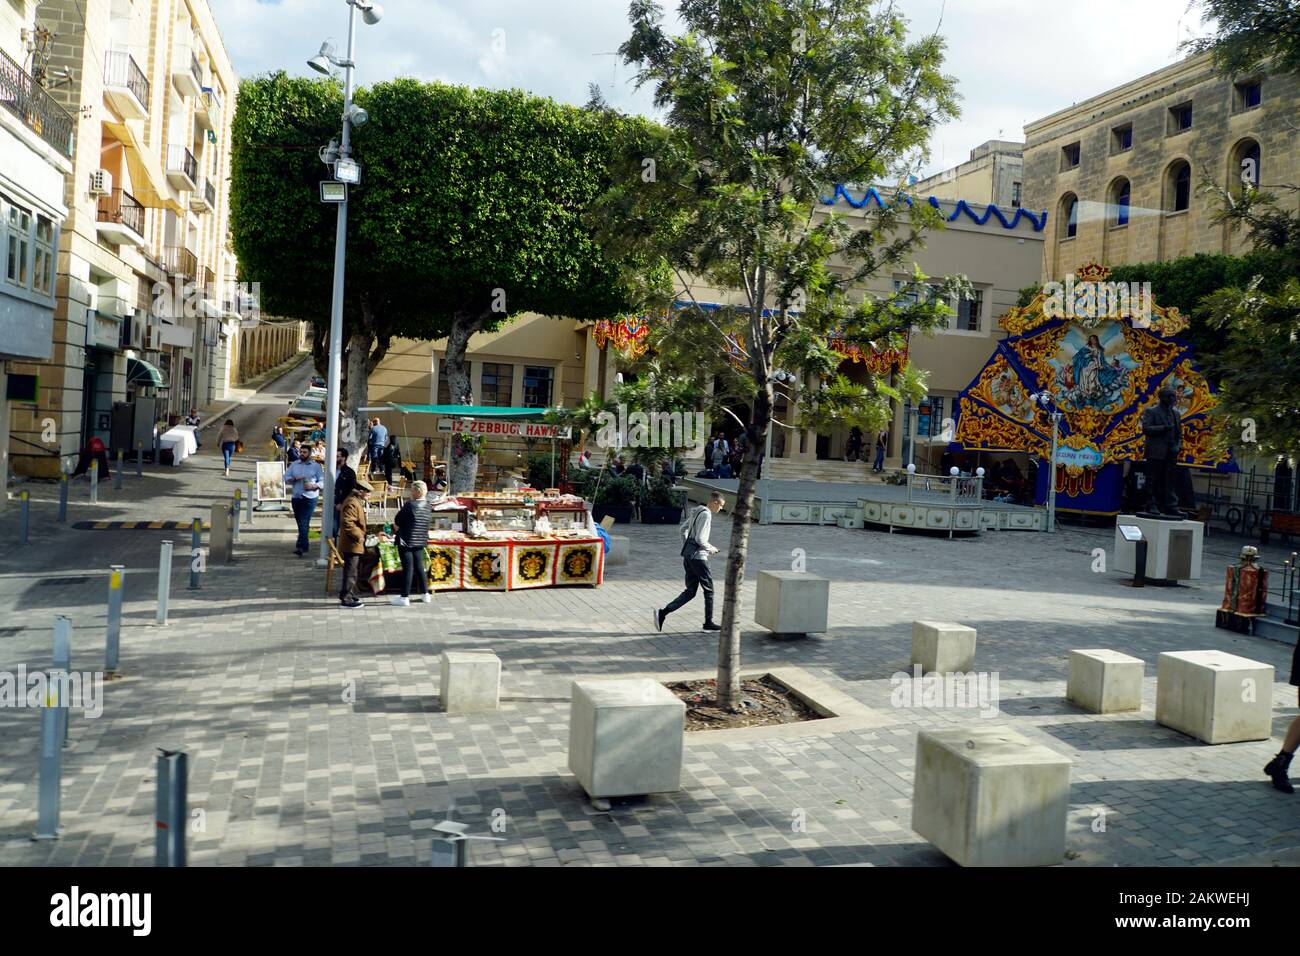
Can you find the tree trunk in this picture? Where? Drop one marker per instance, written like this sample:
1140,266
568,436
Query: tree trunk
354,427
463,467
729,636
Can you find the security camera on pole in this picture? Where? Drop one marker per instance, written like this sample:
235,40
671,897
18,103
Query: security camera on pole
346,172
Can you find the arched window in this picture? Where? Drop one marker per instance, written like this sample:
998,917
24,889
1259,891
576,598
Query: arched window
1179,188
1245,170
1119,202
1069,213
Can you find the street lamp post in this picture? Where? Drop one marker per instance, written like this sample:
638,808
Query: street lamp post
1048,401
371,13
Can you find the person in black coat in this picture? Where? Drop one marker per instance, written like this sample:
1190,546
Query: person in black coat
1279,767
345,482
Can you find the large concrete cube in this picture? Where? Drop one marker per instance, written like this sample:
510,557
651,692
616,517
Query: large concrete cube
619,550
791,602
1105,681
1215,697
626,737
987,796
943,647
471,681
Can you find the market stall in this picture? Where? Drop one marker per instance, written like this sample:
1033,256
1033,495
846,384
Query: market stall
501,541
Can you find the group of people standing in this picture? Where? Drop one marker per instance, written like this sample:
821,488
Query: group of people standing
854,447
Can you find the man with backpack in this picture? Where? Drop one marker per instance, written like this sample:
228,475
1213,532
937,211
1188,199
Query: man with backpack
695,560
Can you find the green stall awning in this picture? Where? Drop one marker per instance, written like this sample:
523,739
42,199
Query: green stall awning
140,372
471,411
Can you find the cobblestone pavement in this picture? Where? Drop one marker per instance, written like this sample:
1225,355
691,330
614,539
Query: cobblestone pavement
249,677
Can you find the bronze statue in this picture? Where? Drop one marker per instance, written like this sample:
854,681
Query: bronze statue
1163,429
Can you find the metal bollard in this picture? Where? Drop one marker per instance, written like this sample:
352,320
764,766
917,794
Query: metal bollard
53,720
139,459
250,500
196,553
236,509
63,497
117,475
116,582
94,482
171,808
63,662
26,499
164,582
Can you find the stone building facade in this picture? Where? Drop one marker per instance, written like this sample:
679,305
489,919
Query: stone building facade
1122,173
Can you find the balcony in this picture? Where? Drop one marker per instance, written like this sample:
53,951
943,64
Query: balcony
207,109
182,169
180,262
187,73
121,219
205,199
35,107
125,86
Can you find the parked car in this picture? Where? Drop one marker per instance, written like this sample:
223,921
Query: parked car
307,406
317,382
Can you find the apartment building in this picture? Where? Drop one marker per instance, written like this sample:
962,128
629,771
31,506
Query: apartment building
1121,172
143,255
993,174
537,361
36,148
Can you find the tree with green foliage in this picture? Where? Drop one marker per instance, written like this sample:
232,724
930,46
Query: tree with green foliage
469,212
1248,34
768,104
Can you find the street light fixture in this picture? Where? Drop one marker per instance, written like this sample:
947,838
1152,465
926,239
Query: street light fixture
1047,401
322,62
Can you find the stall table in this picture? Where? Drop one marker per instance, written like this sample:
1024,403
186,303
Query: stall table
180,441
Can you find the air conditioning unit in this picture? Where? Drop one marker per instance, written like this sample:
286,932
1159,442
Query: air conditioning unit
101,182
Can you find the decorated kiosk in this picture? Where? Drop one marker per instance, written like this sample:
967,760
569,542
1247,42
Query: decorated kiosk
1102,351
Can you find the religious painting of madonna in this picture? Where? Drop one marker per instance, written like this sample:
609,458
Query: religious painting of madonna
1093,366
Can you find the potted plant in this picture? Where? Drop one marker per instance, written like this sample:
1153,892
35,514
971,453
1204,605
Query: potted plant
616,498
662,503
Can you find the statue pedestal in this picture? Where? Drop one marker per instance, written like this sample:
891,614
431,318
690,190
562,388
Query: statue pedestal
1173,550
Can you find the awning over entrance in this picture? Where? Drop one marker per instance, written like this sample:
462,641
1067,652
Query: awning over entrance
148,184
140,372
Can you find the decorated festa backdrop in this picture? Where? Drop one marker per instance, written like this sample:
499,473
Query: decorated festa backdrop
1103,357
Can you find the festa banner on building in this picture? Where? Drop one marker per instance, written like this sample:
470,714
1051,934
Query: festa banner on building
496,428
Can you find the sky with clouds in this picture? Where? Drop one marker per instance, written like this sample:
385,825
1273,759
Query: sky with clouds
1014,60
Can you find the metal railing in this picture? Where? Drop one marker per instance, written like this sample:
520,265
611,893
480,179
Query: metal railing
1241,501
121,207
179,261
1291,588
120,69
944,489
181,160
30,103
207,281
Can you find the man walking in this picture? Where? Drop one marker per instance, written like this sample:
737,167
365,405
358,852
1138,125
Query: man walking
378,441
352,541
695,559
306,478
345,479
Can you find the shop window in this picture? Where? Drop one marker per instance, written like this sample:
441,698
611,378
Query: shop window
497,381
538,381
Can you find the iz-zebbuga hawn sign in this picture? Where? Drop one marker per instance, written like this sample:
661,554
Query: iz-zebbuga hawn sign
498,428
1102,350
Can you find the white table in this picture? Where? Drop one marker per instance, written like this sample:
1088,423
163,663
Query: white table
180,442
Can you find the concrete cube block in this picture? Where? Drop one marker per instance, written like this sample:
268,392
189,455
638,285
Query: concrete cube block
471,681
619,549
1105,681
626,737
792,602
943,647
1214,696
987,796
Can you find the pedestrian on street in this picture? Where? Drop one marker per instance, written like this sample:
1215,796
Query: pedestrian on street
412,527
882,440
695,560
305,477
345,479
228,439
377,441
277,436
352,541
1278,768
392,458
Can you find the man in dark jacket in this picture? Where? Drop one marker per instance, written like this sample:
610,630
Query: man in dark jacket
352,541
1163,429
345,480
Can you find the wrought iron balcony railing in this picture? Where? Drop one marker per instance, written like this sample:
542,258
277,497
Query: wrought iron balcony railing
120,70
35,107
181,160
121,207
179,261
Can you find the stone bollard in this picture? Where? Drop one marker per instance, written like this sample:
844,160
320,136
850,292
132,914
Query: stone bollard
471,681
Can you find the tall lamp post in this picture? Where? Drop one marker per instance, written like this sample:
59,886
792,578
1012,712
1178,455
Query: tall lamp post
1048,402
346,171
